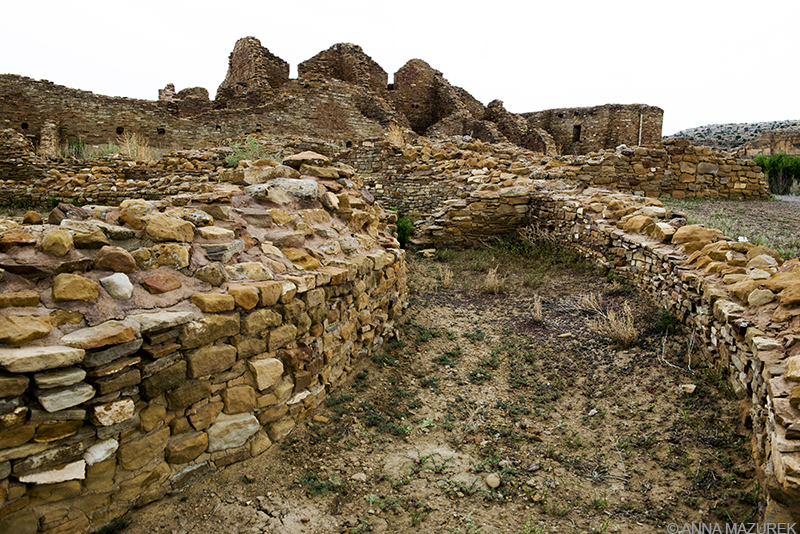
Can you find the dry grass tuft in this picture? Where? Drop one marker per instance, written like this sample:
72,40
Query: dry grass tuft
536,309
493,282
616,326
134,146
446,276
533,234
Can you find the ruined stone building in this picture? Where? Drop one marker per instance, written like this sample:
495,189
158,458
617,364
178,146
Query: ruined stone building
340,94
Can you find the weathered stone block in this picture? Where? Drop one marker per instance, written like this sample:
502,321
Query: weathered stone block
210,360
138,452
231,431
186,447
189,393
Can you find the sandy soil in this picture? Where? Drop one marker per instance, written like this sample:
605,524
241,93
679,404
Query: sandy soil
481,419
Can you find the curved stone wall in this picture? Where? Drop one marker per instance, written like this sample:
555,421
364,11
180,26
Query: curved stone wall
144,345
741,300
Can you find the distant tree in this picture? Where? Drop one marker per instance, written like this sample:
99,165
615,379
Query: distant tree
781,170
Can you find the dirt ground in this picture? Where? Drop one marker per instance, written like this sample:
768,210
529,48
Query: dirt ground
480,418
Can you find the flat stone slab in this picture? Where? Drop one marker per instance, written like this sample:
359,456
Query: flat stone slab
230,431
33,359
154,322
72,471
108,333
61,399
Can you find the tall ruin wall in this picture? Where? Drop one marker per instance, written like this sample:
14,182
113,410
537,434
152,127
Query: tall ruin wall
742,301
145,345
584,130
327,108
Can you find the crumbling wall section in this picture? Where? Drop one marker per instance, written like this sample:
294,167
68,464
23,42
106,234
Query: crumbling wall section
584,130
144,345
346,62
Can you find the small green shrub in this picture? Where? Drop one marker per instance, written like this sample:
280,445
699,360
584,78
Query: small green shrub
405,226
782,171
251,150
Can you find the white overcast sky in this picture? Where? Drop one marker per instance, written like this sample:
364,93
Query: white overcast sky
703,62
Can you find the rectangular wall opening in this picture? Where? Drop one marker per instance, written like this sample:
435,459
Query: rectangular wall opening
576,133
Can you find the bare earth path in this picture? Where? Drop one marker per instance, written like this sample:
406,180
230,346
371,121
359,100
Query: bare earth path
580,435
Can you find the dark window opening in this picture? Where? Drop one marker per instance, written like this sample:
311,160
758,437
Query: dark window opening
576,133
390,87
560,115
258,130
349,144
218,128
576,113
24,125
120,130
161,131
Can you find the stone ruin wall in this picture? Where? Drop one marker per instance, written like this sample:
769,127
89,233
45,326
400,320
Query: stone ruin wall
584,130
329,108
144,346
675,169
418,177
341,93
741,301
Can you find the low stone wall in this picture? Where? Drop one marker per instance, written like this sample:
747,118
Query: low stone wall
147,344
742,301
676,170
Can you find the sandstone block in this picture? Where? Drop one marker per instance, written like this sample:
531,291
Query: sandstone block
14,437
101,474
266,372
30,360
759,297
260,320
212,273
163,228
58,242
206,415
239,399
186,447
790,296
27,297
152,416
138,452
213,302
15,385
230,431
158,321
67,286
248,271
695,232
246,297
281,336
17,330
210,360
59,378
54,431
61,399
108,333
269,292
70,471
280,429
114,259
164,255
188,393
792,369
215,232
159,283
115,412
208,330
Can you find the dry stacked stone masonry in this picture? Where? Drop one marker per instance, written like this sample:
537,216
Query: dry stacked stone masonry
742,301
144,344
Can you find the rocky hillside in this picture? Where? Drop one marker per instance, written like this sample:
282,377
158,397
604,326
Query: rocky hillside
730,136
